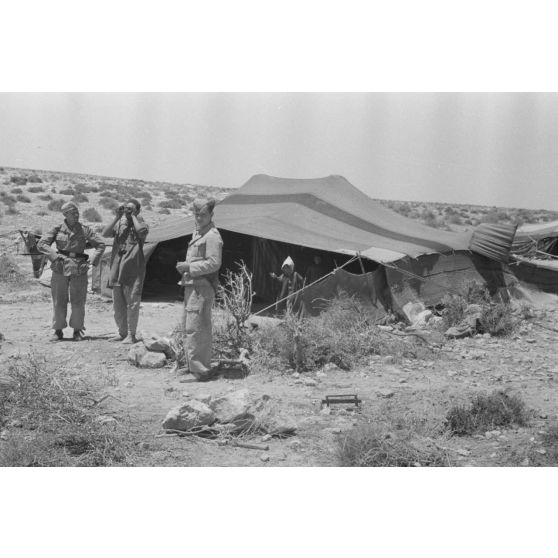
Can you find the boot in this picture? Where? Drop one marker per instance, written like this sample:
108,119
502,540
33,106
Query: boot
78,335
57,335
130,339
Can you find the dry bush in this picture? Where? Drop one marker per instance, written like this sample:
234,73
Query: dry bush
235,298
486,412
164,211
394,436
67,192
171,204
7,199
92,215
109,203
16,191
45,197
343,334
19,180
9,270
35,180
80,198
35,189
497,318
51,418
55,205
23,198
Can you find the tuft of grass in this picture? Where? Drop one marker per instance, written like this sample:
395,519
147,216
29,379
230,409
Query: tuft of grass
9,270
374,445
51,417
486,412
35,189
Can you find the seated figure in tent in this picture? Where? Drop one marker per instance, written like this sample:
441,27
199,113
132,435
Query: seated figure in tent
200,278
291,282
127,268
316,270
69,269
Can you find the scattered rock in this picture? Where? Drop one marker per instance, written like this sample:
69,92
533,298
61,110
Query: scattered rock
530,340
231,407
325,411
151,360
296,375
136,352
158,344
189,415
389,359
264,458
385,393
321,375
330,367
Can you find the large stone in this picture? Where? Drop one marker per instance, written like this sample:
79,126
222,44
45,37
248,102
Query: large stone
158,344
189,415
136,352
232,406
152,360
272,419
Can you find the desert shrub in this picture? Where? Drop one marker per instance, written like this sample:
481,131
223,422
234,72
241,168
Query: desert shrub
172,194
235,298
455,219
171,204
496,317
147,207
486,412
55,205
16,190
80,198
376,445
34,179
109,203
19,180
343,334
53,190
45,197
164,211
12,209
23,198
42,213
67,192
58,426
81,188
7,199
106,194
35,189
144,196
9,270
92,215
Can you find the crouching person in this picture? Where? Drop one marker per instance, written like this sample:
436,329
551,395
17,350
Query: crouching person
127,268
200,277
69,269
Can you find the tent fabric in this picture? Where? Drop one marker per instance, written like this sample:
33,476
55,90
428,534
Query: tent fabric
493,241
533,239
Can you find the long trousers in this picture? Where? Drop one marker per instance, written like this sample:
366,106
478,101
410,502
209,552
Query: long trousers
198,338
73,288
126,301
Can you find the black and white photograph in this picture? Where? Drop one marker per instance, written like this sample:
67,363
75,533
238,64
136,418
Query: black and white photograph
267,281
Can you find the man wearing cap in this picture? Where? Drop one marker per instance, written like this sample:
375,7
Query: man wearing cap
69,266
291,282
200,277
127,268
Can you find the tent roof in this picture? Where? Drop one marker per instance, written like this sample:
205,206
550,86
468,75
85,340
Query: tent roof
536,231
322,213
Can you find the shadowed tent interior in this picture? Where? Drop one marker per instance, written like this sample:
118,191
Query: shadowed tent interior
271,218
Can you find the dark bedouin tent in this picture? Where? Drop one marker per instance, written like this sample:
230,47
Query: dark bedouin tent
398,260
534,257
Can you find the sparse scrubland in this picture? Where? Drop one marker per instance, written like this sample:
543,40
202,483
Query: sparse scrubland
488,400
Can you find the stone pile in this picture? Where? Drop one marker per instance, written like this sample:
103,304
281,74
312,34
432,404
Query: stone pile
151,352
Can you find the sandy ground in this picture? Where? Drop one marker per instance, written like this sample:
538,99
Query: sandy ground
526,364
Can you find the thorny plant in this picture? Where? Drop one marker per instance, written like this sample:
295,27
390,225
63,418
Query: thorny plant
235,298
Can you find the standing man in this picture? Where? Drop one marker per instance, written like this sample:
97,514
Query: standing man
127,268
69,269
200,277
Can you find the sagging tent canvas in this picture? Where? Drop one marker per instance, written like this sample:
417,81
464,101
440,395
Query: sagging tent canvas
398,259
534,256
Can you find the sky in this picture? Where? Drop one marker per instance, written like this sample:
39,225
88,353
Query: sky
474,148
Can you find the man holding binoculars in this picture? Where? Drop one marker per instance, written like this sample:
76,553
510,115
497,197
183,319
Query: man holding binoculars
127,268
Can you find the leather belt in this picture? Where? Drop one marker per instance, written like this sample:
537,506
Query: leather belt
74,254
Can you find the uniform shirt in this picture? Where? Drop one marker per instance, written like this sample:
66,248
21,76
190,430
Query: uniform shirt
204,256
127,261
75,240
